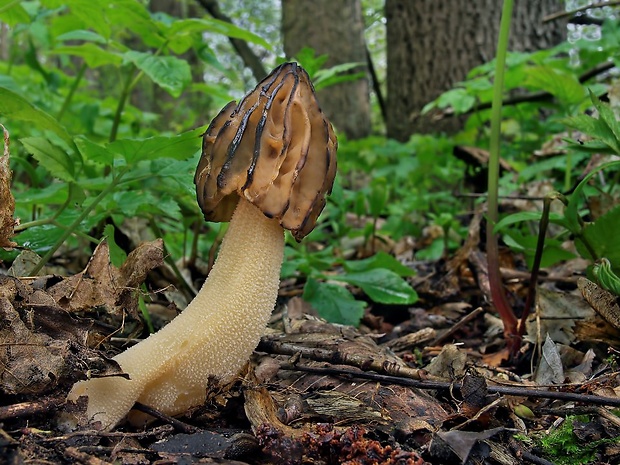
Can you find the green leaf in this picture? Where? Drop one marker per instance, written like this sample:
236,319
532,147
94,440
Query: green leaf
91,14
333,302
132,15
82,34
552,251
603,236
178,147
170,73
606,277
93,55
51,157
571,213
378,197
382,286
605,128
379,260
117,255
184,27
336,74
527,216
94,152
459,99
565,87
39,238
16,107
12,13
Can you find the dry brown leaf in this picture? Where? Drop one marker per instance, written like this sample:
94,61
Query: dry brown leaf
7,202
29,362
602,301
42,345
101,284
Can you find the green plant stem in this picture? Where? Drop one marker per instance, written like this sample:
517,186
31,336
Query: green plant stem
540,245
121,106
76,223
74,86
45,221
170,261
495,281
128,87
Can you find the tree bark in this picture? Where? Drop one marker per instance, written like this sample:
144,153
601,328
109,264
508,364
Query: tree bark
335,28
432,45
250,59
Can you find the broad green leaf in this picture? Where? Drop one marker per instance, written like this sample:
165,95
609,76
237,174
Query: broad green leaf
133,15
379,260
571,213
381,285
139,202
335,74
117,255
91,14
53,193
82,34
459,99
603,235
178,147
605,128
338,79
192,25
378,197
94,152
16,107
596,128
565,87
51,157
527,216
93,55
12,13
39,238
170,73
333,302
552,251
607,117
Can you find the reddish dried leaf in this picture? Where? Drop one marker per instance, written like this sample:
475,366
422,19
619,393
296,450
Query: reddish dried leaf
7,202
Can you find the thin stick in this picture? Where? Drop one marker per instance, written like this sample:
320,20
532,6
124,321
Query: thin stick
446,386
462,322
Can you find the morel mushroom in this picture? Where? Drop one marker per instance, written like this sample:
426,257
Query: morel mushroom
267,164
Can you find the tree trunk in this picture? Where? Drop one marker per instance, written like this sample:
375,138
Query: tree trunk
432,45
335,28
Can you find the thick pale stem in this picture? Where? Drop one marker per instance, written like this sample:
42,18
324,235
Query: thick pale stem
213,337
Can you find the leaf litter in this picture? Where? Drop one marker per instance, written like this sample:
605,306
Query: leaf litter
432,385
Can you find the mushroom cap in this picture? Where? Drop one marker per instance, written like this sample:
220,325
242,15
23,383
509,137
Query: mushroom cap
275,148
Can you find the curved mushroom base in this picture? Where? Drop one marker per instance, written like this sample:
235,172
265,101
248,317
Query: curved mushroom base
213,337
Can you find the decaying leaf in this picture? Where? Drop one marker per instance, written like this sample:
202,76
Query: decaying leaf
450,363
42,344
461,443
602,301
101,284
556,314
390,408
29,362
550,369
7,202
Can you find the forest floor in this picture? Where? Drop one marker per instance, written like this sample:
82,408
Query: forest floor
430,383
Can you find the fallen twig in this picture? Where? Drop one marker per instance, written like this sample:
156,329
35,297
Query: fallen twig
365,363
28,409
456,387
178,424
